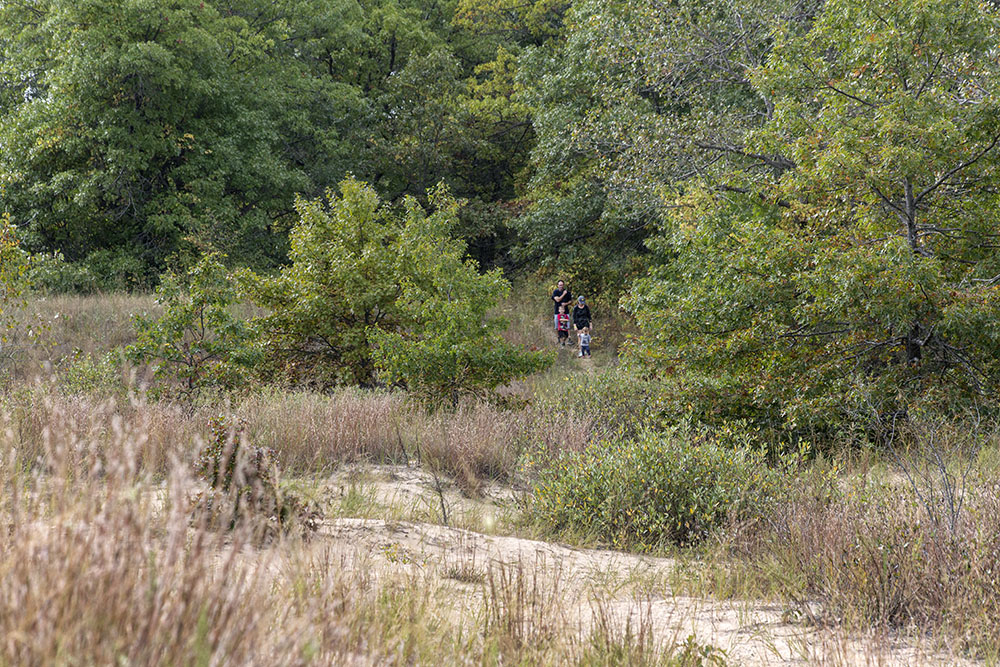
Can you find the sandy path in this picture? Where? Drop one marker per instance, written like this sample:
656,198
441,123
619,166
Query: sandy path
625,588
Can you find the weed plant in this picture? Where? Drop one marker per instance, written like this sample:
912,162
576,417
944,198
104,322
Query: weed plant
243,484
914,545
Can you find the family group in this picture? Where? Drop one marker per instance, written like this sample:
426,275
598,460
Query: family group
580,319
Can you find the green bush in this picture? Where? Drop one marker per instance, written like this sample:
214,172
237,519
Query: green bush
376,293
452,346
656,489
50,273
198,342
118,270
82,373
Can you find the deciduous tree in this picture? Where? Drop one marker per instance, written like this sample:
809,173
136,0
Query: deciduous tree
866,276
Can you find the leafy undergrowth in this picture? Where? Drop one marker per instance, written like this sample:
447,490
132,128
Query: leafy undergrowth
656,489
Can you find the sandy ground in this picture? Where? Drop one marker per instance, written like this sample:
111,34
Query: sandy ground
587,586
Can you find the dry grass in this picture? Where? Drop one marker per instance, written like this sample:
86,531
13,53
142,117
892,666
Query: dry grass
316,433
98,563
877,552
63,324
310,434
92,424
101,564
478,442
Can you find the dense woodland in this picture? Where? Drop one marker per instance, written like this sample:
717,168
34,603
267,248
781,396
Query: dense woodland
795,200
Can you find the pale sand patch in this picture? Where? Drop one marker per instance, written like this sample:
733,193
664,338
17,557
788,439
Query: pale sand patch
624,588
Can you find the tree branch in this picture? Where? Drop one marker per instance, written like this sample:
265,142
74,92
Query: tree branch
958,168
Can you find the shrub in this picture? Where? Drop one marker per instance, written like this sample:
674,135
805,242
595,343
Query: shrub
118,271
452,347
13,283
198,341
671,487
82,373
377,293
618,402
50,273
340,281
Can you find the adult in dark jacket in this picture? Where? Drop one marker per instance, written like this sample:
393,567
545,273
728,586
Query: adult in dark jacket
581,315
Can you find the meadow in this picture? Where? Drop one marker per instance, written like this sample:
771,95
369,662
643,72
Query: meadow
571,526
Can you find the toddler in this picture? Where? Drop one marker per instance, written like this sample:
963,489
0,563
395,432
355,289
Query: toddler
584,342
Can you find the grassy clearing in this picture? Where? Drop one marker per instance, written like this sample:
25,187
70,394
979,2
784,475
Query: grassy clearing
99,479
311,434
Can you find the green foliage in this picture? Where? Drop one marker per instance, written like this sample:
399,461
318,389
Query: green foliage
198,342
82,373
528,21
634,102
50,273
655,489
691,653
342,280
137,130
860,278
617,402
137,135
366,275
450,346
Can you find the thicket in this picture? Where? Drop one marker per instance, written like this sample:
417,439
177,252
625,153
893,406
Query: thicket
198,342
136,138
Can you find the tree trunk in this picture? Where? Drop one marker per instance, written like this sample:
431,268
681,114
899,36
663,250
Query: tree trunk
913,344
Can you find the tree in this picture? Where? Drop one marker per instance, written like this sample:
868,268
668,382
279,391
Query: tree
636,102
138,135
366,275
450,345
199,340
527,22
867,273
341,281
132,128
